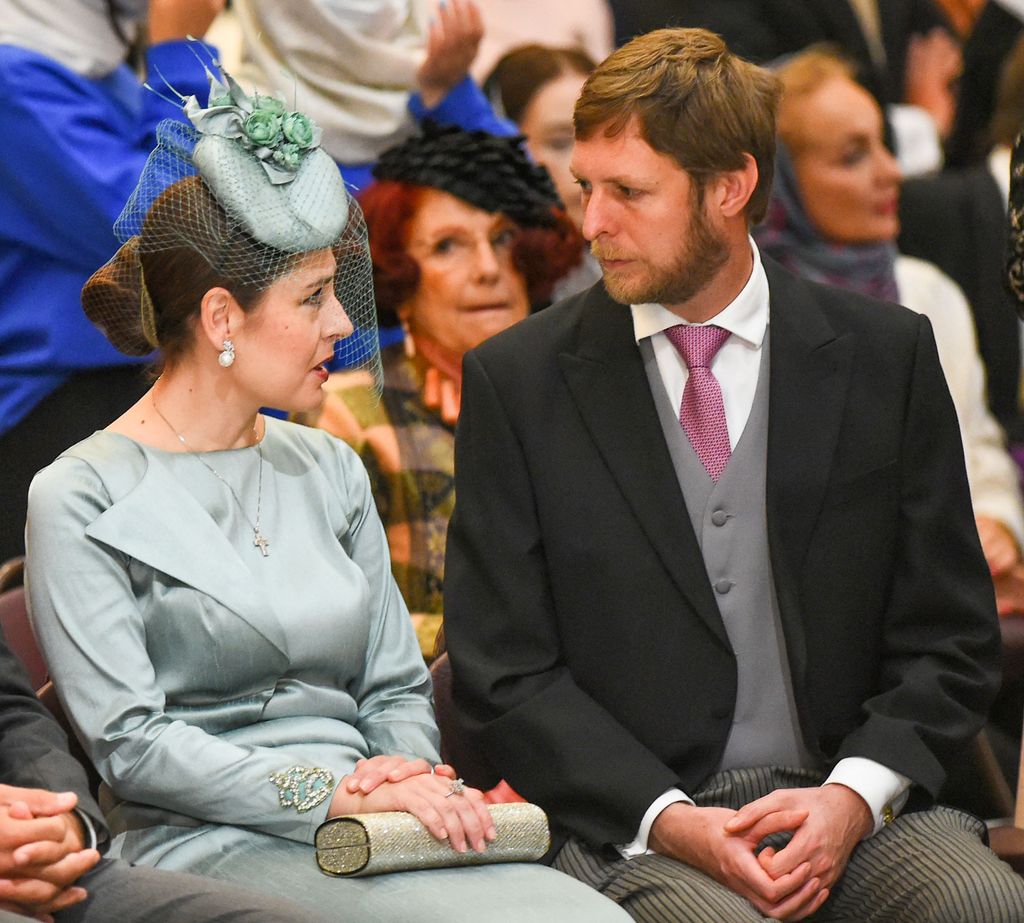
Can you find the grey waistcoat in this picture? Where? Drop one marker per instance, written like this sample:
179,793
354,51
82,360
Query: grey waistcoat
730,523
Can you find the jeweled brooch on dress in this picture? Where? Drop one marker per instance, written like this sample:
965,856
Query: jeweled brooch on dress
302,787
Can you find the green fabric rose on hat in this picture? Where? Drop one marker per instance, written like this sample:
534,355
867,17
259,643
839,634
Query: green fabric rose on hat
298,129
278,138
270,103
288,156
263,127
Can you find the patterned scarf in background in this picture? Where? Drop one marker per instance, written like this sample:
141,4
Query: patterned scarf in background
788,236
442,376
1014,279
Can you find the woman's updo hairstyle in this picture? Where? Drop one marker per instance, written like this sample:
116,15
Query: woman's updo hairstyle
802,75
175,278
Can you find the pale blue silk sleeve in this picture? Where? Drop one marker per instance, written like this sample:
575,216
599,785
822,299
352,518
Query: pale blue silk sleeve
184,699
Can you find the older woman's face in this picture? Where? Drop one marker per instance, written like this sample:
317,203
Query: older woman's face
849,182
469,287
547,124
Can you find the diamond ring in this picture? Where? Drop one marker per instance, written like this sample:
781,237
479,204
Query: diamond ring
455,787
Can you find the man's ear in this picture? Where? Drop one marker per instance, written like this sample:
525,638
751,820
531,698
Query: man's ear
220,317
732,189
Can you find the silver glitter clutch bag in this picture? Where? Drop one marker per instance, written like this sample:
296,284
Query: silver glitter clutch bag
394,841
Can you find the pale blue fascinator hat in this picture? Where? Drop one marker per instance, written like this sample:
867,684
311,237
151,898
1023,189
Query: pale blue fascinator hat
253,191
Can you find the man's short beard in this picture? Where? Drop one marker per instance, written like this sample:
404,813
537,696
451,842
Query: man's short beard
702,255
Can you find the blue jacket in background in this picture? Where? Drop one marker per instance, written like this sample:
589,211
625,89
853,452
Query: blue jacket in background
73,151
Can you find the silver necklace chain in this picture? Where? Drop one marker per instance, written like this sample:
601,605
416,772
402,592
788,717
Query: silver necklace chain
259,540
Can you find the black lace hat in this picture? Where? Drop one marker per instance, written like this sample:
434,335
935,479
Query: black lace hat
493,173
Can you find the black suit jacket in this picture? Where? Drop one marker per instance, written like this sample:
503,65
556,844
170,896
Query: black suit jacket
590,661
33,748
957,220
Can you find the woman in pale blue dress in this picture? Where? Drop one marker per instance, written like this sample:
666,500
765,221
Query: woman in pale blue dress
212,587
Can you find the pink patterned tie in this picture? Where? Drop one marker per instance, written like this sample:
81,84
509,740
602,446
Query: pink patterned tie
702,413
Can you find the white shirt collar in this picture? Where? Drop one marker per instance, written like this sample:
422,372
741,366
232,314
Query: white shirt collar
746,316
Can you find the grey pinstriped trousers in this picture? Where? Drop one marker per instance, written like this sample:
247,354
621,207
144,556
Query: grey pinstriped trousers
926,867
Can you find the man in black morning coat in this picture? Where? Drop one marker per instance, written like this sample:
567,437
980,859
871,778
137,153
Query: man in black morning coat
677,660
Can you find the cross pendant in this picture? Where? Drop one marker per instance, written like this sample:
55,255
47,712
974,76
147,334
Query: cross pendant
260,542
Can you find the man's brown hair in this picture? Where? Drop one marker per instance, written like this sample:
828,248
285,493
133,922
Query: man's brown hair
693,100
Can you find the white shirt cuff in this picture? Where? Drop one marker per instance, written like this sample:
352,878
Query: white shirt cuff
884,790
92,841
918,148
639,845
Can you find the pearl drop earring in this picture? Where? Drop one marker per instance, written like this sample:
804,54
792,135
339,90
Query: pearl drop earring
227,355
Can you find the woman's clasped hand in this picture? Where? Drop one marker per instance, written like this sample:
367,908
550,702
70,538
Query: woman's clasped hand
449,809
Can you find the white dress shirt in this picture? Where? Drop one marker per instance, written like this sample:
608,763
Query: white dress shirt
736,366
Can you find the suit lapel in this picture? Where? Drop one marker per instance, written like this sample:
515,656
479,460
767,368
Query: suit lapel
186,544
808,384
606,379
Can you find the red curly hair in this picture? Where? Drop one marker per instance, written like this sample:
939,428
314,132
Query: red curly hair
542,254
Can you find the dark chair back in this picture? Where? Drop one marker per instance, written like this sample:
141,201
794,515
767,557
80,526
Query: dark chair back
12,573
17,632
14,623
